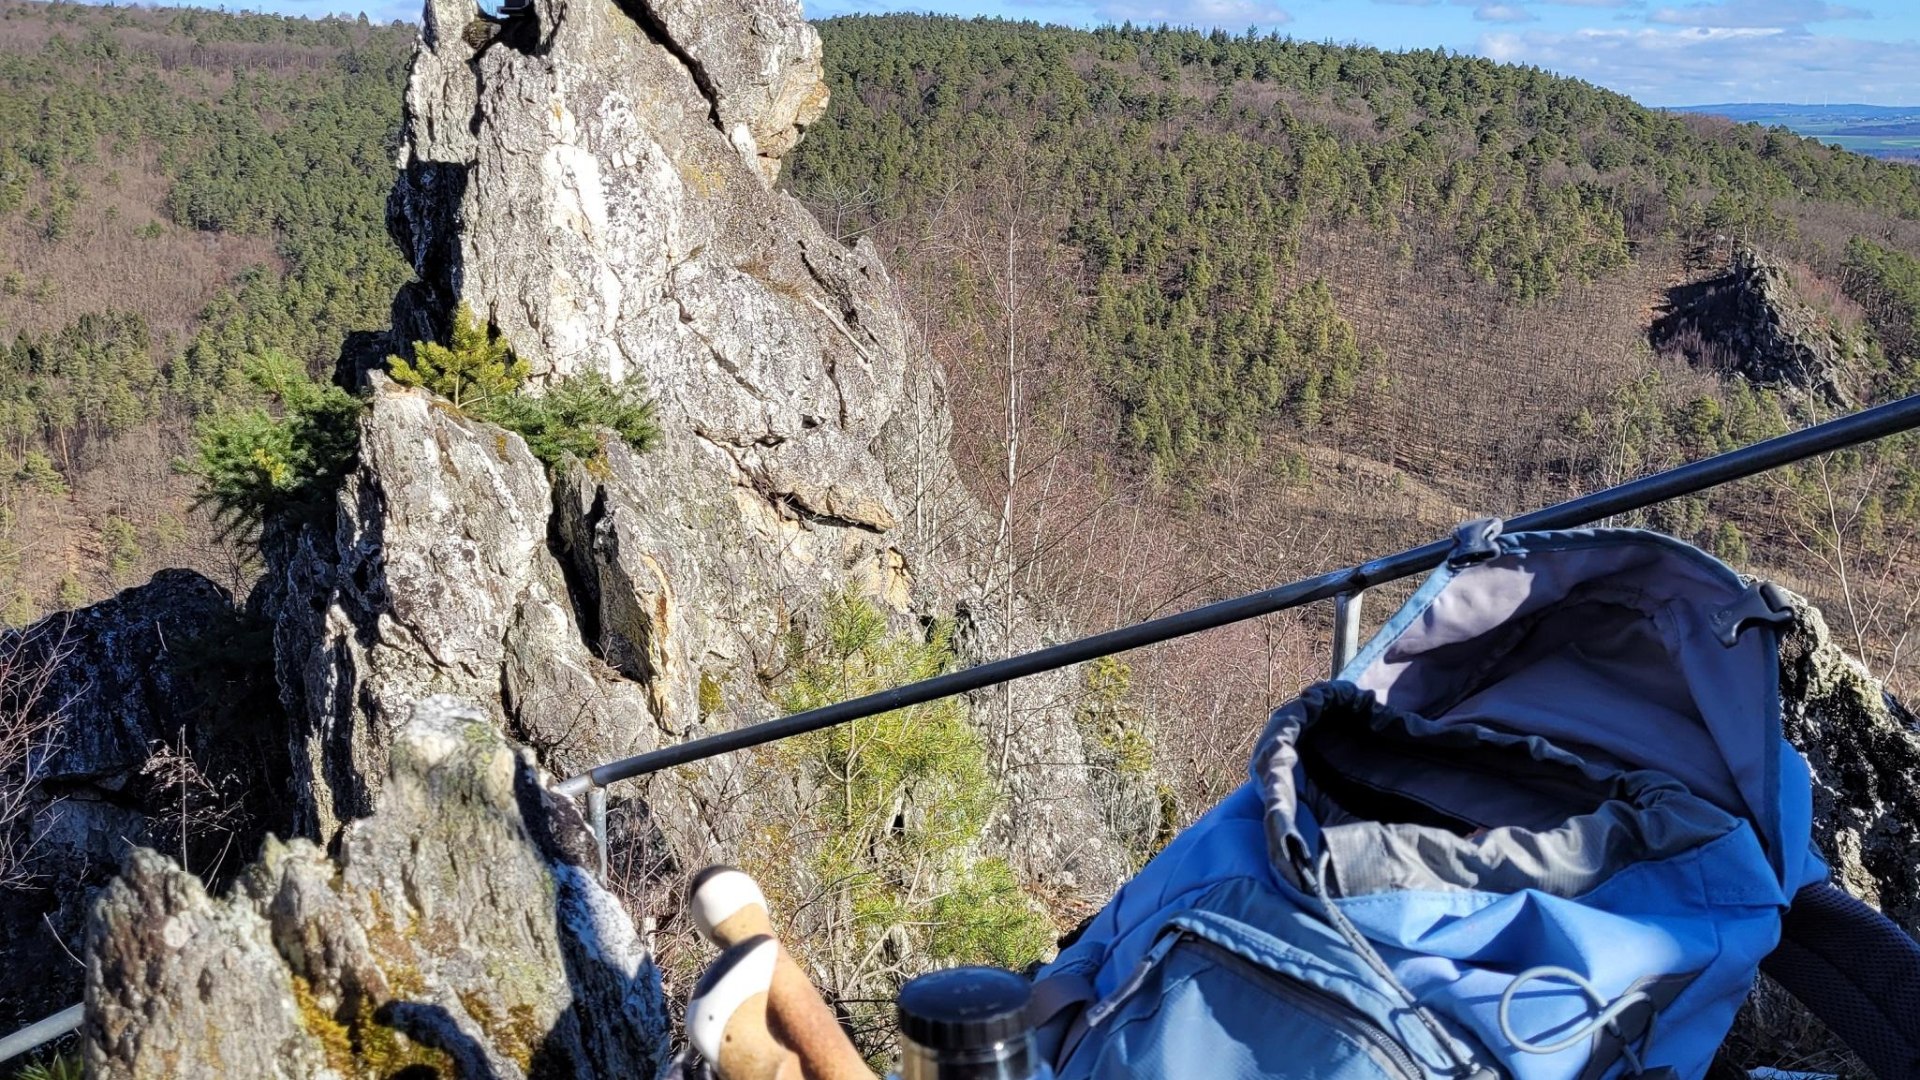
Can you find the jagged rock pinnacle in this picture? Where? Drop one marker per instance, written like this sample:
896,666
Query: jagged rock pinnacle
596,182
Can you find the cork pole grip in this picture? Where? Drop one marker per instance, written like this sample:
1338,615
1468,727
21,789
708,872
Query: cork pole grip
728,907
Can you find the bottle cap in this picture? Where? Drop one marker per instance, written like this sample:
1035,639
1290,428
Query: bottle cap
965,1008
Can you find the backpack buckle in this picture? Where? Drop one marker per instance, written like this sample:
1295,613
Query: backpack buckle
1763,602
1473,543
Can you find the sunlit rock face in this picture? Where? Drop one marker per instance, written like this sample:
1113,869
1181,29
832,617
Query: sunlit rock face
596,180
456,933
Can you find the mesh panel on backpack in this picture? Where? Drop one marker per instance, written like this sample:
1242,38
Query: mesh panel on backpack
1858,972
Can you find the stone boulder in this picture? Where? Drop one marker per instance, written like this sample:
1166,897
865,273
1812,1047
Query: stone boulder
456,934
159,712
1749,322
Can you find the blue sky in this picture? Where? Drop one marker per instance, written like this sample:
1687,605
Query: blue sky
1661,52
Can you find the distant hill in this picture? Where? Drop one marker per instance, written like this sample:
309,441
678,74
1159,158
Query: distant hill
1267,306
180,190
1783,112
1887,131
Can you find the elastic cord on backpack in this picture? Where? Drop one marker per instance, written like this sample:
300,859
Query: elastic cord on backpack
1315,877
1606,1017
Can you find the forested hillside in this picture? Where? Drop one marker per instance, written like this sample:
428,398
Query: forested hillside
179,191
1224,310
1214,310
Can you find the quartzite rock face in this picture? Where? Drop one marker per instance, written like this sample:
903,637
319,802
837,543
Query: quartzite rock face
758,62
457,930
595,180
436,578
1747,320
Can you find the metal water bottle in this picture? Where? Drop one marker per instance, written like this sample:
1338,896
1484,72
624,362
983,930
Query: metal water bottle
968,1023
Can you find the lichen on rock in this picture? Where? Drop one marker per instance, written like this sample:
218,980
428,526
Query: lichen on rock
455,931
1864,754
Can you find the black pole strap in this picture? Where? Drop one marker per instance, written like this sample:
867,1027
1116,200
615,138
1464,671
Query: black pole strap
1879,422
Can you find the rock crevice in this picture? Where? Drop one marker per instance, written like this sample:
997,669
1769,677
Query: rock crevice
456,933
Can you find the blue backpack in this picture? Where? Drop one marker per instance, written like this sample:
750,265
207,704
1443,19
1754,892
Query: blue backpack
1544,826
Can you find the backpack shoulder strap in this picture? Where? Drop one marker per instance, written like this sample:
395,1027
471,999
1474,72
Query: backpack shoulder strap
1858,972
1058,1012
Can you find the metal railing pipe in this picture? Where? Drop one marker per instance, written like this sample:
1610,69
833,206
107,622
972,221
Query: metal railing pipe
41,1033
1876,423
1861,427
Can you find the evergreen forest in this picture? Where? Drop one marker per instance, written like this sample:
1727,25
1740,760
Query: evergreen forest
1214,310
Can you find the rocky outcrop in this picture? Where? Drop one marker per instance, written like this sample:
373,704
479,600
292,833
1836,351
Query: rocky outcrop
455,935
436,578
1748,322
1864,753
159,712
595,180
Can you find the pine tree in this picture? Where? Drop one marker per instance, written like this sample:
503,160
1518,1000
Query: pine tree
475,367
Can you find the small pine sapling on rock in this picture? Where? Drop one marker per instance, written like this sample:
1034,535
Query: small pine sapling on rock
478,373
475,367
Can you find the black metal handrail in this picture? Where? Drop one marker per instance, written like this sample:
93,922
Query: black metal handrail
1879,422
1346,585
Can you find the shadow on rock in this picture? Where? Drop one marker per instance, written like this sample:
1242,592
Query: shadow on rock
457,935
149,718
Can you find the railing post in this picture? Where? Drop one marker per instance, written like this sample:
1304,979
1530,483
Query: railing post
597,821
1346,628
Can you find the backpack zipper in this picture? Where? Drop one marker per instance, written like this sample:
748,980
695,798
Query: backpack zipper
1323,1005
1105,1006
1330,1009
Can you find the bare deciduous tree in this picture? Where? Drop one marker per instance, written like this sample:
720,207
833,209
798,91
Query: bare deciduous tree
32,733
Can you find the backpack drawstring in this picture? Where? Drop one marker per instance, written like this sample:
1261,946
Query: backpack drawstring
1314,875
1607,1017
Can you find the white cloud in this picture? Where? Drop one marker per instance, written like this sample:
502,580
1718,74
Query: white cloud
1704,65
1504,13
1196,12
1774,13
1516,11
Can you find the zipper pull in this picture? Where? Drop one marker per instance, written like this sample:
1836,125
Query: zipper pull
1304,867
1105,1007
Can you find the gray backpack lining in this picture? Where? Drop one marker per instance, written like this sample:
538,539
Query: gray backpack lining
1492,812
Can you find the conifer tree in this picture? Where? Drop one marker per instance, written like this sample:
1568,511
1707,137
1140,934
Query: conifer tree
475,367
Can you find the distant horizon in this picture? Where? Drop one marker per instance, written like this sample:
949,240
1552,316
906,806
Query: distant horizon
1663,55
1789,105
